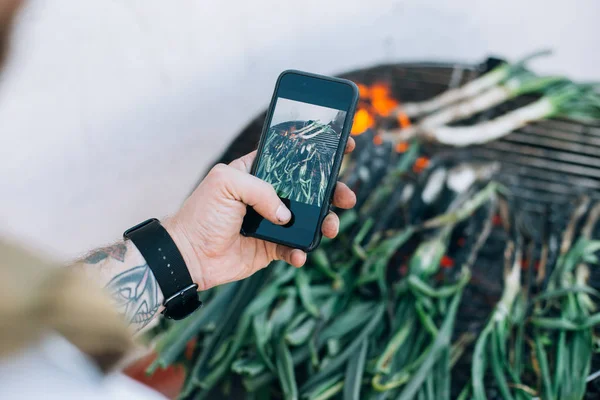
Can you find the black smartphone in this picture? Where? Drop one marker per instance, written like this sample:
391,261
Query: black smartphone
300,153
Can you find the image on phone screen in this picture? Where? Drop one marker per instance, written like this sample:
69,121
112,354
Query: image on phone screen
299,151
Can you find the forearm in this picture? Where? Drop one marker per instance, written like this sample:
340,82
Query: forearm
122,270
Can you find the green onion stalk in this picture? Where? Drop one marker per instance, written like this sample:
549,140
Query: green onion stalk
491,79
561,321
328,329
567,320
521,83
566,100
383,191
416,359
491,347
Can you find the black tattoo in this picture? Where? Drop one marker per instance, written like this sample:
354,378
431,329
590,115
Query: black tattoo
135,292
116,251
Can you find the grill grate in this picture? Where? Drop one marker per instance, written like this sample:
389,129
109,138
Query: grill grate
546,165
549,162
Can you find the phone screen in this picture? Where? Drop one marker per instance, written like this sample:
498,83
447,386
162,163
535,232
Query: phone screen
305,135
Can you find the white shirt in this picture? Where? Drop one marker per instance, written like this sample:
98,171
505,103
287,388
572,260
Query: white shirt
54,369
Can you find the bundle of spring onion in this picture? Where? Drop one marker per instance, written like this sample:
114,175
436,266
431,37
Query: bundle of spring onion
541,345
373,313
559,97
351,323
563,317
490,349
490,80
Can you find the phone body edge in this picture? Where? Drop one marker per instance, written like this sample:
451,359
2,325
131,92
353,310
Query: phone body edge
326,206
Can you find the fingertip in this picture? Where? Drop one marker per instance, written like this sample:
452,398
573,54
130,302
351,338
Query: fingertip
331,225
283,214
343,196
297,258
350,145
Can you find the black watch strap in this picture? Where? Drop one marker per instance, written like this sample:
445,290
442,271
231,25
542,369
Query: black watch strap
168,267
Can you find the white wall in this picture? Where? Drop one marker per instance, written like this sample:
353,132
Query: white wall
110,110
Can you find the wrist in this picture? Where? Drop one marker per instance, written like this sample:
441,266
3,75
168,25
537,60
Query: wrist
186,248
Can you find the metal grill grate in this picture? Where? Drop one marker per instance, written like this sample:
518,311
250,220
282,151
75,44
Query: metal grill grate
549,162
546,165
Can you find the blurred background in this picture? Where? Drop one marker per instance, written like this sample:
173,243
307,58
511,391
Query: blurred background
110,111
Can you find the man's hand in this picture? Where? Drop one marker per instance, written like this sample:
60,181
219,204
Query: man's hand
207,228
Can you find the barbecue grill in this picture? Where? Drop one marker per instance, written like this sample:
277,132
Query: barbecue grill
546,165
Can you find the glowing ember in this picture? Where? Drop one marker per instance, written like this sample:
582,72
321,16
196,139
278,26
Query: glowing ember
378,140
447,262
420,164
403,120
497,220
525,265
401,147
403,270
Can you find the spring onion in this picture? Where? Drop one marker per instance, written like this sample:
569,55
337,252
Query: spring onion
473,88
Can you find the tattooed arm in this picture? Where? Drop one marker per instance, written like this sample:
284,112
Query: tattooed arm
122,270
206,231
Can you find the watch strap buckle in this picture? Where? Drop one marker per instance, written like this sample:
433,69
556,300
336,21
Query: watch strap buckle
179,305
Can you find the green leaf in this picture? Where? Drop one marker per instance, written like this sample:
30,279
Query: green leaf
283,314
327,389
304,290
384,361
497,367
263,329
300,335
172,343
441,343
249,367
352,318
426,259
354,373
348,350
542,359
285,371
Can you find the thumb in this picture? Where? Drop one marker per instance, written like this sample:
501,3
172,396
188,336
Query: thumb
256,193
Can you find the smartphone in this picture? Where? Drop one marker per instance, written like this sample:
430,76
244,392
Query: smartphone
300,152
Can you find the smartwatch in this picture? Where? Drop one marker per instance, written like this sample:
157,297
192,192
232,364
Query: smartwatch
168,267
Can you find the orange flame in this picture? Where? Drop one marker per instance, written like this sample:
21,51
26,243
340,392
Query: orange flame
376,101
363,120
381,99
363,91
